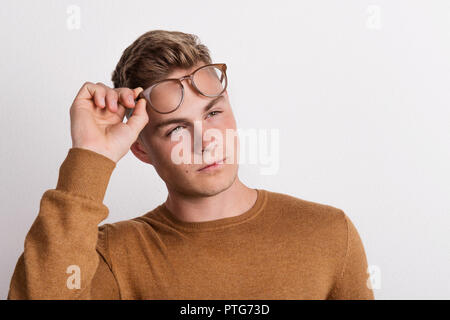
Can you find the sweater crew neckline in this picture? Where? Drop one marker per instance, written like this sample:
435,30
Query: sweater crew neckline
218,223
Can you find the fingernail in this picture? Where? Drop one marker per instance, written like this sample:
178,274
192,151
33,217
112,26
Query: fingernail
130,99
102,101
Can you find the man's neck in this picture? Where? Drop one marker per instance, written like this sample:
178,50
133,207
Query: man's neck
231,202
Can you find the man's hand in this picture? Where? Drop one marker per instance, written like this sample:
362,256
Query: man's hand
96,117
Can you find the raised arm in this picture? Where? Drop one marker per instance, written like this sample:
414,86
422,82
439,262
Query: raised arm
66,254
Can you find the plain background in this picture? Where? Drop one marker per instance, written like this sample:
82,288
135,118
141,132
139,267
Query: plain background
359,91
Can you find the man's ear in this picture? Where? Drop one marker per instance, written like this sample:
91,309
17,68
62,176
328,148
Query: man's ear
140,151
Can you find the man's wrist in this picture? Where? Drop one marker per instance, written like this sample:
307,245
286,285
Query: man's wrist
86,173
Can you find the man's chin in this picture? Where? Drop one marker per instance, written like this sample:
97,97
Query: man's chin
208,187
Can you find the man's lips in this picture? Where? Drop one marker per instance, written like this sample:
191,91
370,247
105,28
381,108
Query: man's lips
212,164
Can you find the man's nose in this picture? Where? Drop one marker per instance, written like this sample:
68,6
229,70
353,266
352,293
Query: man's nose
202,142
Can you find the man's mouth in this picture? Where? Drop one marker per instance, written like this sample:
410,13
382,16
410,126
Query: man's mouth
213,165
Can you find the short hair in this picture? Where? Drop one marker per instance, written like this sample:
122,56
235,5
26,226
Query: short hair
155,54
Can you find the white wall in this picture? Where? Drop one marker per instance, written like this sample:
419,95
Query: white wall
359,91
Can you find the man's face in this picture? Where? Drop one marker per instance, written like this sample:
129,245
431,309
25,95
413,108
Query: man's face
165,145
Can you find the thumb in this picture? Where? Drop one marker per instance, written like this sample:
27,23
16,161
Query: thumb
139,118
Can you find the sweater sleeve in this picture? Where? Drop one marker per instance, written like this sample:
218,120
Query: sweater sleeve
352,281
65,252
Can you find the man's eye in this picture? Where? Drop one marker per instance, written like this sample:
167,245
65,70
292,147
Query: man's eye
216,112
173,130
212,113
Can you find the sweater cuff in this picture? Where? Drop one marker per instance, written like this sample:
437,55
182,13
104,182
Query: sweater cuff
85,173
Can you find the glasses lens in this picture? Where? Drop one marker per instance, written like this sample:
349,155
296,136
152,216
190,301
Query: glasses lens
166,96
211,80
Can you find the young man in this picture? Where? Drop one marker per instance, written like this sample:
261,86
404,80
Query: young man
214,237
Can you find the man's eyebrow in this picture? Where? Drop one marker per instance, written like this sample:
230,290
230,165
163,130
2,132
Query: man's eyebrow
167,122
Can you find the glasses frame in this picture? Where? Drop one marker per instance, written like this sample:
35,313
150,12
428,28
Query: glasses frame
146,93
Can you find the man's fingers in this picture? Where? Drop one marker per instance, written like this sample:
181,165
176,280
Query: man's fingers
91,91
139,118
137,91
99,96
86,91
111,100
126,97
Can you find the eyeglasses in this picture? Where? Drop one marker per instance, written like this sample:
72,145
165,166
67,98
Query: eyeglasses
166,96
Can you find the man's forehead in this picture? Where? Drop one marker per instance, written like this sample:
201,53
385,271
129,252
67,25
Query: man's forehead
179,72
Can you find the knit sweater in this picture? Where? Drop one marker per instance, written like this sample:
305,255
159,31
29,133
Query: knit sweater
283,247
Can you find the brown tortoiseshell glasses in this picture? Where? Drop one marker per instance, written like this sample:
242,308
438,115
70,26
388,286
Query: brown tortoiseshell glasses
166,96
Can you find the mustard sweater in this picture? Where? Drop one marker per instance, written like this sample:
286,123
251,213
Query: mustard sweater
281,248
